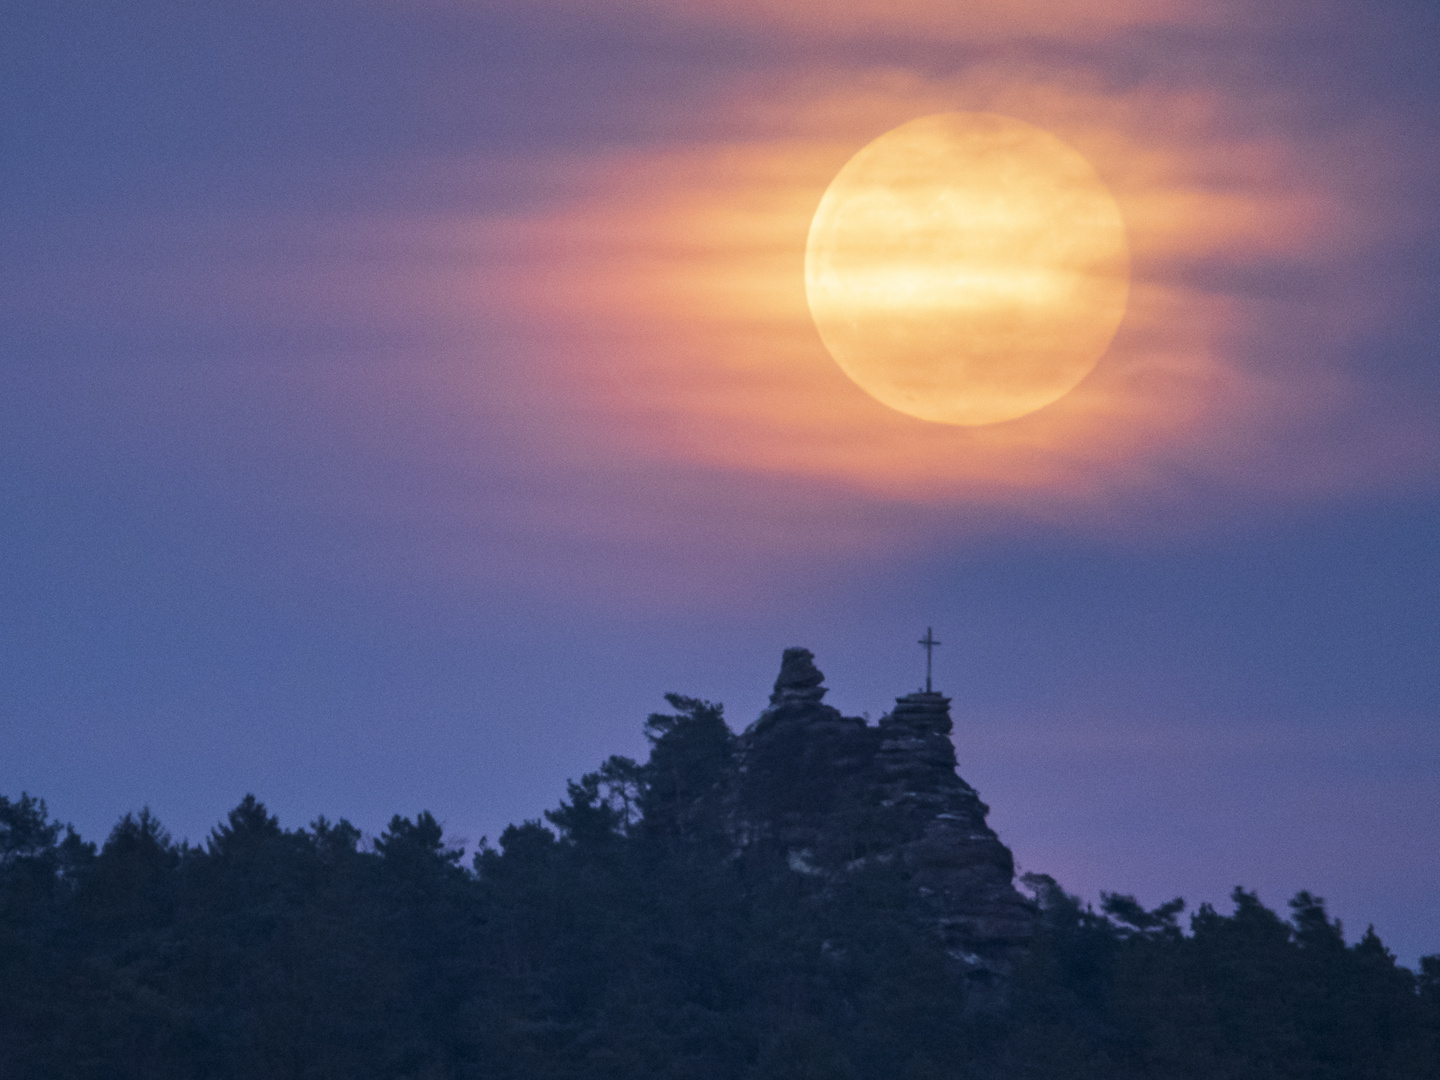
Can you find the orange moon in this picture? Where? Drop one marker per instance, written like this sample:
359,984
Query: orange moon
967,268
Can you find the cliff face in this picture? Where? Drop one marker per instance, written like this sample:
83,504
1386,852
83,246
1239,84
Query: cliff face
831,794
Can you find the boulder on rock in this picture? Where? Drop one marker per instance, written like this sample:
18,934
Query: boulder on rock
830,794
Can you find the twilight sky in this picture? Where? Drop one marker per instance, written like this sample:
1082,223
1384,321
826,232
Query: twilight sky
398,396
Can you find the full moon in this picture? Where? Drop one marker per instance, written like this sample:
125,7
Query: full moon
967,268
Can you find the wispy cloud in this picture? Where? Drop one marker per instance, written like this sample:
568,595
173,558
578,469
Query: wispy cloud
673,274
621,320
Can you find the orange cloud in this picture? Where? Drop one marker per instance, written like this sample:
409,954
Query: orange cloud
657,298
676,281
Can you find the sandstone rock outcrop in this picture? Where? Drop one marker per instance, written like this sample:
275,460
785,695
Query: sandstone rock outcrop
831,794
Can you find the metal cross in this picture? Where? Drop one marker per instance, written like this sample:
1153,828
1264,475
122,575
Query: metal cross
929,642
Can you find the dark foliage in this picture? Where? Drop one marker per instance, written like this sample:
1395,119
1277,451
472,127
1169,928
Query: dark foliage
626,940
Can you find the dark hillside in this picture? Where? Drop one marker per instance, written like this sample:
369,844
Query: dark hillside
814,897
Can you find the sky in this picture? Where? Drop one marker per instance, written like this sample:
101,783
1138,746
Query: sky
398,397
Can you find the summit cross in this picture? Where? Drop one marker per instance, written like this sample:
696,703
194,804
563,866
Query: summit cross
929,642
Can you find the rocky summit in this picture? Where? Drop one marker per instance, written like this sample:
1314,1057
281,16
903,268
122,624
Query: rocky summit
831,794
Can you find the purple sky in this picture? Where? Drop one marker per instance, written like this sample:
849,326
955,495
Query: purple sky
397,398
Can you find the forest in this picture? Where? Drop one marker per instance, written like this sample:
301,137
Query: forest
624,938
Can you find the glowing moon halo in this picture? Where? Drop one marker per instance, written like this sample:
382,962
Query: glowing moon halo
967,268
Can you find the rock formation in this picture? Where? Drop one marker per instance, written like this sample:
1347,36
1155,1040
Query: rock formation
831,794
